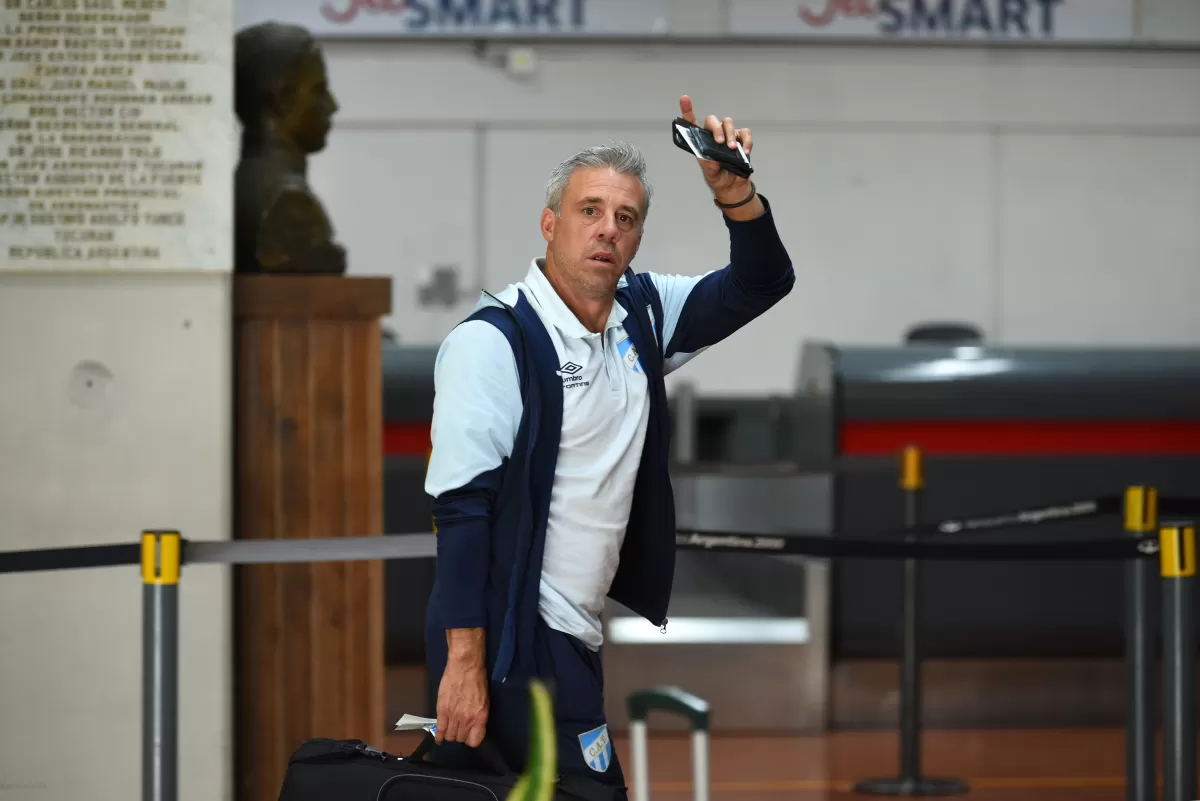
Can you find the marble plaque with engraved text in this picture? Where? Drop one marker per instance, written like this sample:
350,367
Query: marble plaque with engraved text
117,135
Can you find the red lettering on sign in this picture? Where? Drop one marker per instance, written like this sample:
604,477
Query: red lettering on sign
331,13
836,8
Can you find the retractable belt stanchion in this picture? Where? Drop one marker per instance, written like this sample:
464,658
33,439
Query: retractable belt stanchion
161,560
1177,558
162,554
1141,519
910,781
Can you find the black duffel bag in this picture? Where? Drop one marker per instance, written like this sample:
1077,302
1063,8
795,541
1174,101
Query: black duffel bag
350,770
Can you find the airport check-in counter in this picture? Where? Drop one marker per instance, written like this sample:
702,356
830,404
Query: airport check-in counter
1001,429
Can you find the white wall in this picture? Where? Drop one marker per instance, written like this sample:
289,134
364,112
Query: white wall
1047,195
148,445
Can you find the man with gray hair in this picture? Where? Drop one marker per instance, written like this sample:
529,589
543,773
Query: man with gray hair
549,468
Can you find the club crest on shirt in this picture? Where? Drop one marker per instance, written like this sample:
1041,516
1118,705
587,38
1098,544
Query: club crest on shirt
629,355
597,748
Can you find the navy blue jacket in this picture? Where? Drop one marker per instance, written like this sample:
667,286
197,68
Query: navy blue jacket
491,531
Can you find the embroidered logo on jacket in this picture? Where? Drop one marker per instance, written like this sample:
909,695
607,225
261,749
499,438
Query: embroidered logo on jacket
629,355
597,748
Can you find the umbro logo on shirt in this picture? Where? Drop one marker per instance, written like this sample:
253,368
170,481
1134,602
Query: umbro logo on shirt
570,376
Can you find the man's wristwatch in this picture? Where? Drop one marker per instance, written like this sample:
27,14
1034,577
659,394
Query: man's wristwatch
749,197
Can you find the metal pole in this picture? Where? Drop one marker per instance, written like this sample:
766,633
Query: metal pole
1141,519
1177,558
910,781
910,665
639,749
685,423
700,778
160,665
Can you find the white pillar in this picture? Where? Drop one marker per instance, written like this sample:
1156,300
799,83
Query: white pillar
118,146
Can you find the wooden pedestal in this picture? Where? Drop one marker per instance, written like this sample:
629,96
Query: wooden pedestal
309,464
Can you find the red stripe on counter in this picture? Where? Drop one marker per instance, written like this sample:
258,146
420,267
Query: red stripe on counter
1022,437
406,439
954,437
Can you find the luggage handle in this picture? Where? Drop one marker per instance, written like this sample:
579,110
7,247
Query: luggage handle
677,702
486,750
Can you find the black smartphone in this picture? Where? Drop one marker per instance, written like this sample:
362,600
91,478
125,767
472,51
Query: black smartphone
699,141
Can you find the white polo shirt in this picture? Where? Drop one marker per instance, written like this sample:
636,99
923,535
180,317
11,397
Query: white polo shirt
605,411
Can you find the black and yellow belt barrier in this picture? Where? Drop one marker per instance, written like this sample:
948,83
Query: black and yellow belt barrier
422,546
163,554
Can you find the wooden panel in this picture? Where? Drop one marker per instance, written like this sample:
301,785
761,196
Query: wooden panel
772,699
309,462
279,297
408,692
982,693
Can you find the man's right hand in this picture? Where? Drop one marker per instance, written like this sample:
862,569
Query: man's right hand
462,705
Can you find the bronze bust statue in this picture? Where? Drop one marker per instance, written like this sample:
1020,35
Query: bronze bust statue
282,99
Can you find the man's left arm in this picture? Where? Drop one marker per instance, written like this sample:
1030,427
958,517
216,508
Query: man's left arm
700,311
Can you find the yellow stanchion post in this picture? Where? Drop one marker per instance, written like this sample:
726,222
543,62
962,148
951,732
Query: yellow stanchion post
1141,520
161,567
911,781
1177,562
912,481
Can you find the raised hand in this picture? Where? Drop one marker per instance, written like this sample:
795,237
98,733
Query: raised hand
725,186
